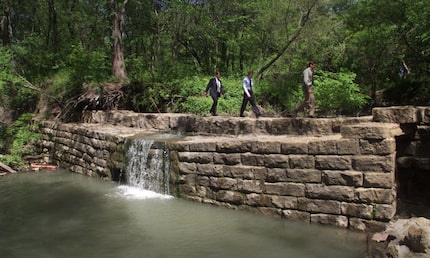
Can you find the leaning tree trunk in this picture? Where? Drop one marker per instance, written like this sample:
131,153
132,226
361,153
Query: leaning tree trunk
118,64
304,18
5,25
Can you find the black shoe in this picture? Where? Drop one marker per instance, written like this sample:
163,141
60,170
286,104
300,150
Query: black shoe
242,115
257,115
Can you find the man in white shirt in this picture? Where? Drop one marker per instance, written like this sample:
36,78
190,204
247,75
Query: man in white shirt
308,91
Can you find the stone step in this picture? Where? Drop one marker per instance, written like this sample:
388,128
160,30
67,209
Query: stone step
222,125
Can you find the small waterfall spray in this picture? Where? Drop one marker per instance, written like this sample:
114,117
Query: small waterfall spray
148,168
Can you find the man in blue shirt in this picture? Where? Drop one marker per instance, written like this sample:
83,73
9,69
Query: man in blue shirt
248,95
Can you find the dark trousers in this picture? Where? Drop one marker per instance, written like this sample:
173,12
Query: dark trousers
214,104
252,101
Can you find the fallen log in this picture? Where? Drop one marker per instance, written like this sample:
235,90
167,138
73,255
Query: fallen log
42,166
7,168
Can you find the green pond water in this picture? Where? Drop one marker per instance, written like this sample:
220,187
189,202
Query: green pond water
60,214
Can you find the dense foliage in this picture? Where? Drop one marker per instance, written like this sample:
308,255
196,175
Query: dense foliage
161,53
21,134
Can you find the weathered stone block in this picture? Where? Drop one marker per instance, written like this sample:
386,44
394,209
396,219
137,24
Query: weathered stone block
202,146
266,147
275,127
178,146
205,170
186,189
364,211
275,160
385,212
187,168
424,114
333,162
230,197
189,179
423,132
234,146
100,162
258,200
244,172
339,193
284,202
348,178
290,189
202,181
326,219
303,175
371,131
378,180
295,147
348,147
319,206
366,225
301,161
323,147
248,159
245,126
226,158
377,146
374,163
224,183
276,175
250,186
374,195
399,115
296,215
196,157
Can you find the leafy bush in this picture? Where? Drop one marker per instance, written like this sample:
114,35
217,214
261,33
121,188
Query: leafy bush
338,92
19,137
15,95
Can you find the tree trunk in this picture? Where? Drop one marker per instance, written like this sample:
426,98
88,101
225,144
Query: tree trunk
5,26
53,27
118,64
304,18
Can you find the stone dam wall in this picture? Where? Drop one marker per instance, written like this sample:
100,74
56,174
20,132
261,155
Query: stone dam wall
340,171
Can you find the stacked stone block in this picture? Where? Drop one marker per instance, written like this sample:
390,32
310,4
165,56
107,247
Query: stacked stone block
338,171
413,150
345,180
87,149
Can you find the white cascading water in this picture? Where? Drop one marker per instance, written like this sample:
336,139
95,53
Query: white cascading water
147,170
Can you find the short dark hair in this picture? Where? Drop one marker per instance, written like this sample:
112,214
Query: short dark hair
311,63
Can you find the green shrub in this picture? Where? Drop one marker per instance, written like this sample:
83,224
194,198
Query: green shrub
14,93
20,136
337,92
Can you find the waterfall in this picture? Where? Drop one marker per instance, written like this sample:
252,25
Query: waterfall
147,167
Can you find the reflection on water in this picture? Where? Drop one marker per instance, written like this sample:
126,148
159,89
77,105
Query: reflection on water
60,214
